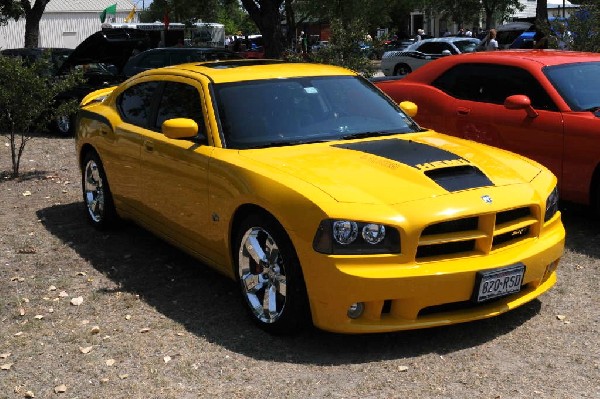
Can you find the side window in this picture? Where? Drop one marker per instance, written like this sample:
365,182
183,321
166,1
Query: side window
492,84
180,100
135,103
431,48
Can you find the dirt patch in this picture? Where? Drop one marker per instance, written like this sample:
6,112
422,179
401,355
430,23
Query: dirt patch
155,323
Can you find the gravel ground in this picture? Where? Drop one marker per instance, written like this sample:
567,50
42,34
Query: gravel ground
85,314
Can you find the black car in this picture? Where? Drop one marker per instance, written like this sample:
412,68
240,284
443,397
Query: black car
160,57
101,57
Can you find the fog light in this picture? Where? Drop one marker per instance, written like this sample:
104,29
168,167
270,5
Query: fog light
551,268
356,310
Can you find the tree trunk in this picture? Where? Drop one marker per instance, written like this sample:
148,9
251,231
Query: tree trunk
489,19
290,18
32,21
541,11
268,20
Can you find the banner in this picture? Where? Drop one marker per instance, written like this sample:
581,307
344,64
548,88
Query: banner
130,16
108,10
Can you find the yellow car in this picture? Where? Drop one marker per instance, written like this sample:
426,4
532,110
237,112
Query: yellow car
320,196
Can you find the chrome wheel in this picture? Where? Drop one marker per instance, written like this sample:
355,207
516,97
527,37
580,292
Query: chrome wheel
261,272
93,191
63,124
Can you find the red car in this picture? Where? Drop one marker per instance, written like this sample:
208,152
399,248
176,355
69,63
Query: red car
542,104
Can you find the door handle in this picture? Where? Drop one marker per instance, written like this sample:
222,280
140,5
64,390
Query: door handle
463,111
149,145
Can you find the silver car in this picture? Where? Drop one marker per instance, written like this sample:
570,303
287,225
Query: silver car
418,54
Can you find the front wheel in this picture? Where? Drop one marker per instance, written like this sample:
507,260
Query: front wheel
402,69
97,197
268,271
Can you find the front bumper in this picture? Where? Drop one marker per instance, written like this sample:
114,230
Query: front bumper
400,296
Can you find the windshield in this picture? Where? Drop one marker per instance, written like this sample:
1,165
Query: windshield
466,46
578,84
307,109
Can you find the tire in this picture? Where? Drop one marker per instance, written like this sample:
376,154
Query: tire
270,278
401,70
97,198
64,125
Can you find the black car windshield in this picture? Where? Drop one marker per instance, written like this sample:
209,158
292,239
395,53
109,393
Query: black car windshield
578,84
292,111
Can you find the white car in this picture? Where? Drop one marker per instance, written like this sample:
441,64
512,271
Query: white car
418,54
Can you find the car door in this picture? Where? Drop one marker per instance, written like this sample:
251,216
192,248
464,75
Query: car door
478,112
122,149
174,173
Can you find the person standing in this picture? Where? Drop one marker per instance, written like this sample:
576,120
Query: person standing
492,43
419,36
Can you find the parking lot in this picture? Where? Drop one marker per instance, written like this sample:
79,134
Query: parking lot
87,314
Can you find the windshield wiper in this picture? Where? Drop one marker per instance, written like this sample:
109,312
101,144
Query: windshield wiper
366,134
287,143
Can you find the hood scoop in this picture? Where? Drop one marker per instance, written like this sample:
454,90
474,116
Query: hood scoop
459,178
445,168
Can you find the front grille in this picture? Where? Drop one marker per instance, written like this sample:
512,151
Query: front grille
476,234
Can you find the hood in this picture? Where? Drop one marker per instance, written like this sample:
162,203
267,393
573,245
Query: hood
114,46
397,170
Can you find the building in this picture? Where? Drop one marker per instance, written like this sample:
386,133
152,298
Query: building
66,23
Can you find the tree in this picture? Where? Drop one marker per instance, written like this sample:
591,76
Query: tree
463,13
498,10
33,14
27,101
183,10
266,14
583,27
344,49
10,9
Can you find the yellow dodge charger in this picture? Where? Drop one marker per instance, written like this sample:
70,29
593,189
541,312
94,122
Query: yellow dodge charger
320,196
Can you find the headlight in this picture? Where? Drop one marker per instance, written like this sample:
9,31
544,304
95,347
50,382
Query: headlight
346,237
551,205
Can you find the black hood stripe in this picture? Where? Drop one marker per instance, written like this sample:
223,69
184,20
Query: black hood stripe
445,168
403,151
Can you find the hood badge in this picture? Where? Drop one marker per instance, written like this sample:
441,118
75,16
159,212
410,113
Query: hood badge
487,199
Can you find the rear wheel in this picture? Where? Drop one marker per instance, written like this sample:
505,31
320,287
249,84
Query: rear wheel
97,197
268,271
402,69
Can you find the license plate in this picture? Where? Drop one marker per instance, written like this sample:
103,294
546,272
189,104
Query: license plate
498,282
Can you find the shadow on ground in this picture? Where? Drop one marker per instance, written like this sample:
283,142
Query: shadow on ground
209,305
583,230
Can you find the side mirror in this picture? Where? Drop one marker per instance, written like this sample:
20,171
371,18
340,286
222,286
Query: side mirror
409,108
446,52
179,128
519,101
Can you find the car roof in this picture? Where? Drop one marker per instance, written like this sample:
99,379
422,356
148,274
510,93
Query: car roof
246,70
447,39
543,57
35,51
514,26
188,49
